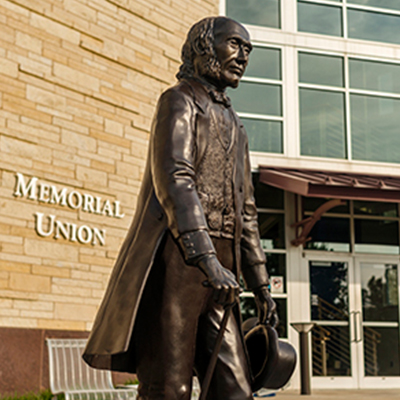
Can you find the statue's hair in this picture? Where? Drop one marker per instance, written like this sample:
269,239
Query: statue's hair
200,43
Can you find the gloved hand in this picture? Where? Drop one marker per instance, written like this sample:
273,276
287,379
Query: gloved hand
266,307
223,281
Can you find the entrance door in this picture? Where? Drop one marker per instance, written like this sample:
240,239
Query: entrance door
332,338
354,304
377,322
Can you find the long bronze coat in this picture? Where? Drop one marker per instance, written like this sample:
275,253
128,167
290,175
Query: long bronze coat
168,200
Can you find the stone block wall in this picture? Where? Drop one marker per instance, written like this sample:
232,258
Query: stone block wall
79,81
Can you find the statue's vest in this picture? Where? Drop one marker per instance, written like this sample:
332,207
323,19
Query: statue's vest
214,182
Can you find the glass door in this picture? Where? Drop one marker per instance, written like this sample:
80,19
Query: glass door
376,323
354,303
332,338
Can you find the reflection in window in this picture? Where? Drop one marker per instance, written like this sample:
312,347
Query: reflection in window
330,234
267,196
249,310
331,351
375,208
329,291
321,70
382,353
281,309
248,307
388,4
330,302
375,125
313,203
379,292
264,63
264,135
255,12
272,230
322,123
259,104
257,98
373,75
318,18
276,266
376,236
369,25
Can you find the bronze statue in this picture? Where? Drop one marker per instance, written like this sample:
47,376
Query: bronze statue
194,232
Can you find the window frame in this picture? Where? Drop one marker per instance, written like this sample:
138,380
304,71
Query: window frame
352,217
275,82
345,6
348,91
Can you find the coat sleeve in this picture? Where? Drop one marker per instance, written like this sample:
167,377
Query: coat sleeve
172,160
254,270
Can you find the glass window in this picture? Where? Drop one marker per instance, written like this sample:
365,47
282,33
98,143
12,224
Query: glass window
389,4
276,266
331,350
257,98
249,310
321,70
379,292
272,230
376,236
312,203
330,234
372,75
281,309
248,307
378,209
375,123
263,100
369,25
322,123
267,196
264,135
329,291
318,18
330,302
264,63
384,343
255,12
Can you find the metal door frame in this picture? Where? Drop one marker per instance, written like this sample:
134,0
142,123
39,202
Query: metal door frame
371,382
332,382
358,378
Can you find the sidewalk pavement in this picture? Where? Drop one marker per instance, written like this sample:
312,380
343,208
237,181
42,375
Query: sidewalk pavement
381,394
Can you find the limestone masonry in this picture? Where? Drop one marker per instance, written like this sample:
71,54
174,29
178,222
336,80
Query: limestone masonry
79,80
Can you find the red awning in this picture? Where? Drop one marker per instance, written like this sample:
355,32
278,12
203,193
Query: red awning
335,185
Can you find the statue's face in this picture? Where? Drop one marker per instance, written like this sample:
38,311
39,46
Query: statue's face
232,47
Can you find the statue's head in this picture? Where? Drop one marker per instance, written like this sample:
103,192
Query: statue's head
216,49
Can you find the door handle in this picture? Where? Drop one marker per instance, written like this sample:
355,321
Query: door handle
360,326
352,320
357,327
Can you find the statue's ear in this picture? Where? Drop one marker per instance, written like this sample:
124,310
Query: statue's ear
198,46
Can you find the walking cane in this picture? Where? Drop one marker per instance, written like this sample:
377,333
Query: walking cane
214,355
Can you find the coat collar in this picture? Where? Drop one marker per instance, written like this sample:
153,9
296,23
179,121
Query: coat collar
204,92
201,97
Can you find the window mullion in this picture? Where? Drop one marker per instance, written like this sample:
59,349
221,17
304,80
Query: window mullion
344,19
347,106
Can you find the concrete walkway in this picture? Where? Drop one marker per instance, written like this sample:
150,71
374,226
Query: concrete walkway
387,394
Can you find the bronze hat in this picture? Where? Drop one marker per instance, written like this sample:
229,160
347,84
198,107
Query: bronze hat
272,360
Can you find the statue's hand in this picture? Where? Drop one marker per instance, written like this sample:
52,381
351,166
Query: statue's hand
266,307
223,281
